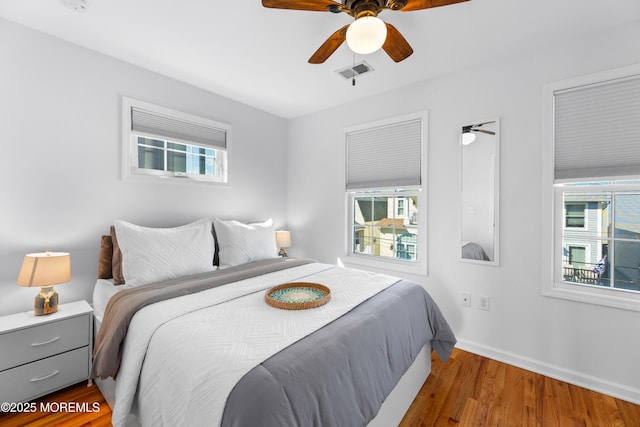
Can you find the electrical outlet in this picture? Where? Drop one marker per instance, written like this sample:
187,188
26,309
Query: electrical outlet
465,299
484,302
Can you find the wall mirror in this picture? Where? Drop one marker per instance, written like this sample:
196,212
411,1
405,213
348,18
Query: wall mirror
480,182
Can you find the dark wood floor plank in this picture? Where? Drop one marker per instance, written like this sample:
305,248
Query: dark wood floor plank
462,389
469,413
513,401
443,378
529,404
605,408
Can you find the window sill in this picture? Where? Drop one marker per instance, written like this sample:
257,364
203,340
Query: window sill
149,177
622,299
371,263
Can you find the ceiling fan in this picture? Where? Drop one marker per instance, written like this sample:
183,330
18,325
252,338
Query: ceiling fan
365,13
476,128
468,137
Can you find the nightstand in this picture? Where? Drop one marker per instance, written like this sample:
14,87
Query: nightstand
41,354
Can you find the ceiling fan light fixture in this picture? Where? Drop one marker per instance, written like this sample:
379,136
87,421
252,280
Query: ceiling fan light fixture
468,137
366,35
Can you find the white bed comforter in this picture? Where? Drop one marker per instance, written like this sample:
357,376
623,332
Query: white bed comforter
182,357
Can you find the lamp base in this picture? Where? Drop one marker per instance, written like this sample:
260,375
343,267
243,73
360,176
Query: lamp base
283,253
46,301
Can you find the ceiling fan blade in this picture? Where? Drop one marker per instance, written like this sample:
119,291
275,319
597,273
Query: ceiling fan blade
329,46
396,46
427,4
313,5
488,132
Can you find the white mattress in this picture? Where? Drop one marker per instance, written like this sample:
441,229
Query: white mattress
102,293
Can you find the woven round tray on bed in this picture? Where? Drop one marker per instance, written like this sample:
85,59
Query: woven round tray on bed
298,296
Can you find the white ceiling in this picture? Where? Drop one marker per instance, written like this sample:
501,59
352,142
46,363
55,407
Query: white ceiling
258,56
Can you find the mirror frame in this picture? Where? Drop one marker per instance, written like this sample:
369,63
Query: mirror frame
496,197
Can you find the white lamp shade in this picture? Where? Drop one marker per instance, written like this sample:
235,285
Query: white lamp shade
283,238
468,138
45,269
366,35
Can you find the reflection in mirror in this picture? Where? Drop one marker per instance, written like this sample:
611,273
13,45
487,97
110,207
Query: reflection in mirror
480,152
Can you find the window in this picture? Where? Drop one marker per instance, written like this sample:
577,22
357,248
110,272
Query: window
574,215
400,209
384,179
165,143
592,189
577,255
162,155
376,228
407,246
607,254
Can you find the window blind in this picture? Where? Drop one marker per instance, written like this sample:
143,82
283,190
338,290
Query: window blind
596,130
155,124
385,157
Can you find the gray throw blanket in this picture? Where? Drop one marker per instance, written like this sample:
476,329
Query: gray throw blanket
123,305
340,375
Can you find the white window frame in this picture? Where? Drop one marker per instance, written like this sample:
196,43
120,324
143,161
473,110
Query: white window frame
130,168
419,266
553,208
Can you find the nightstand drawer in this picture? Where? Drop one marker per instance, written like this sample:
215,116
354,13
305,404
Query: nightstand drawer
40,341
38,378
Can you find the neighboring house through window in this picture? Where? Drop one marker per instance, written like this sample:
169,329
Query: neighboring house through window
592,189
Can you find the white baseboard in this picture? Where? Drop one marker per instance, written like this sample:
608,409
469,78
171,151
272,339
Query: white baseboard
599,385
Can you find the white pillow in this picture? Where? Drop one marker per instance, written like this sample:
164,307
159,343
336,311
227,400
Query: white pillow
242,243
153,254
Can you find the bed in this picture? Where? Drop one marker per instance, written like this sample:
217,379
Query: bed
199,345
471,250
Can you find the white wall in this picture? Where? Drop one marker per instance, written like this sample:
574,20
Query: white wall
586,344
60,131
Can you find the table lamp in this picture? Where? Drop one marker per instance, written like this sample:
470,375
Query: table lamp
283,240
45,270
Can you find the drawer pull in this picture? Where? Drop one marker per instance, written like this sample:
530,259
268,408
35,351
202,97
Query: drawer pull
37,344
35,380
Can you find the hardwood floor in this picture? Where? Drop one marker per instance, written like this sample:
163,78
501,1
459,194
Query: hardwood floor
468,390
471,390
